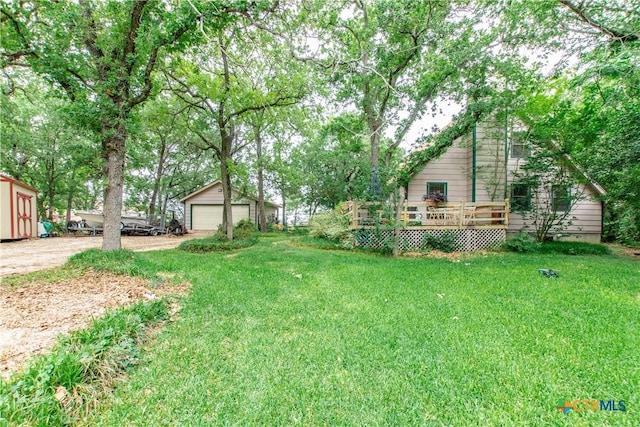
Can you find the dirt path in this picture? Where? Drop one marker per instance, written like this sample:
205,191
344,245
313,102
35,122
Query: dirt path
39,254
32,315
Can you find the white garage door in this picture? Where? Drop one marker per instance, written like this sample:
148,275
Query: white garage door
209,217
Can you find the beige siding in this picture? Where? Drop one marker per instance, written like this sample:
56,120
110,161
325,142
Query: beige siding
491,174
585,218
495,169
450,168
213,196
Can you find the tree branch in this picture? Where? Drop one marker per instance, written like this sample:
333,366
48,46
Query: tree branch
581,13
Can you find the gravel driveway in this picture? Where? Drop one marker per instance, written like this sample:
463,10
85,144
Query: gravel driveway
39,254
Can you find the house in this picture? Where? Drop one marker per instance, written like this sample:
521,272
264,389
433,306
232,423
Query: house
18,210
481,175
204,207
487,166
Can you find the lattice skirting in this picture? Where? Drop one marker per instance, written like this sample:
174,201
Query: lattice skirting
465,240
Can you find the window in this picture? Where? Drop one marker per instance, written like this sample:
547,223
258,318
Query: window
560,196
437,187
519,147
520,197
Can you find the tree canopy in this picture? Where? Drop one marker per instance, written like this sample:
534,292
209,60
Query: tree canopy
137,103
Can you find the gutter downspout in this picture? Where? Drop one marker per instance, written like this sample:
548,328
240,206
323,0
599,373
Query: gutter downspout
506,154
474,167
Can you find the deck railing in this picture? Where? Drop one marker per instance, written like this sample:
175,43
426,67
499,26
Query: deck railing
420,215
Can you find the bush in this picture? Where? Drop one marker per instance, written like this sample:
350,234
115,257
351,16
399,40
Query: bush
445,243
522,243
216,243
331,226
574,248
244,229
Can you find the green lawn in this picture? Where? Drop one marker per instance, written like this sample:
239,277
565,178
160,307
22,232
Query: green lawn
283,335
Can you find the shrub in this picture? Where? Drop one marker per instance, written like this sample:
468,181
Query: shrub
523,243
574,248
445,243
216,243
244,229
331,226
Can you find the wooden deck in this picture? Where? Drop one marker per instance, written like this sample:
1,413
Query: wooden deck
421,216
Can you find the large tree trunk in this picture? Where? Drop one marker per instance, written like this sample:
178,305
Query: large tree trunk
225,177
284,209
114,151
262,215
72,189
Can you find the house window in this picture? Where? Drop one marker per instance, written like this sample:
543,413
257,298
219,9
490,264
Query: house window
520,197
561,196
519,147
437,187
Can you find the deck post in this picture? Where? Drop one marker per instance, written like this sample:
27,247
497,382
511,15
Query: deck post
354,214
461,216
507,211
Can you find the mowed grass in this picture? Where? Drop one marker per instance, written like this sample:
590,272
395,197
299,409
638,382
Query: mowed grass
283,335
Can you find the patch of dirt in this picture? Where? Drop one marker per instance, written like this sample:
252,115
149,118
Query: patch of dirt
626,251
24,256
451,256
32,316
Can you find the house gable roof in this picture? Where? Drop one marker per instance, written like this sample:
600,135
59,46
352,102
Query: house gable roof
438,144
234,191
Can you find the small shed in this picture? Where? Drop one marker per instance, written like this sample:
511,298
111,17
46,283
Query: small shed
18,210
203,209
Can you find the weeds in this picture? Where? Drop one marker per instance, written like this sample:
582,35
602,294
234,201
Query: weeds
58,388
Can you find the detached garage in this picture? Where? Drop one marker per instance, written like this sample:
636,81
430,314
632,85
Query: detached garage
18,210
203,208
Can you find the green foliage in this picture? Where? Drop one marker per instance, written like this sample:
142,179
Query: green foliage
244,229
216,243
573,248
523,243
445,243
333,226
334,163
79,369
318,243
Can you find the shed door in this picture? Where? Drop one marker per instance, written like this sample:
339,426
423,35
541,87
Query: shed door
209,217
25,215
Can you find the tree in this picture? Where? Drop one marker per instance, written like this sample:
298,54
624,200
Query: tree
40,148
217,85
163,164
393,60
555,190
335,163
103,55
590,106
